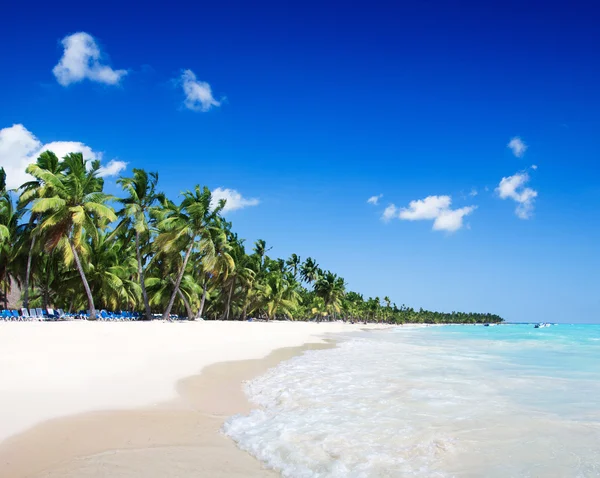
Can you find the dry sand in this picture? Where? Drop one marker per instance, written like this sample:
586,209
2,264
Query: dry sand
145,418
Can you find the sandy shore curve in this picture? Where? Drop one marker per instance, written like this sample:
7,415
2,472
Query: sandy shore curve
135,399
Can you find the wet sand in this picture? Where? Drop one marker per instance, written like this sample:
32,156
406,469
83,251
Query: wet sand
176,438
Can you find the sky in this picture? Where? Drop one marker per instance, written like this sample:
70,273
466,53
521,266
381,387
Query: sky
442,153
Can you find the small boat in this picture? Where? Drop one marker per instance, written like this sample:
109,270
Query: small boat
541,325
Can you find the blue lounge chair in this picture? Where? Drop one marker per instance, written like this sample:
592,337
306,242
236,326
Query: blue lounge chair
15,315
33,314
52,314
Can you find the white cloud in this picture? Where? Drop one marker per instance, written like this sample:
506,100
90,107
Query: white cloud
473,192
234,199
374,199
62,148
452,219
113,168
534,166
513,187
81,60
19,148
428,208
389,213
436,208
517,146
198,94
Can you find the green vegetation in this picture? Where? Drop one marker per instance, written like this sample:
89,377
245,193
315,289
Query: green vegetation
69,245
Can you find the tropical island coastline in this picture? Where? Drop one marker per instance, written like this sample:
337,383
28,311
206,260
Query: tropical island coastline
74,252
78,252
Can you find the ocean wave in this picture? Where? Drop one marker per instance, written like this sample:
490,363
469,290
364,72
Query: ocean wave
395,405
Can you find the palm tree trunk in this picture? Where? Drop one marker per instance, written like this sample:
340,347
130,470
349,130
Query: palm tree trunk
167,313
229,299
204,287
245,310
141,276
27,274
86,286
188,307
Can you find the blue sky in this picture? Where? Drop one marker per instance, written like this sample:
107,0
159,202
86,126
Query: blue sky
314,108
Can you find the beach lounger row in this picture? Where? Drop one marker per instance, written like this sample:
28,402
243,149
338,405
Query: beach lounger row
59,314
122,315
31,314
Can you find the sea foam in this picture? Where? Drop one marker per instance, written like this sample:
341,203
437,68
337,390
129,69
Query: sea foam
425,404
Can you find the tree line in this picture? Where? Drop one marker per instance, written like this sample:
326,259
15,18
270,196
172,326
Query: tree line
67,244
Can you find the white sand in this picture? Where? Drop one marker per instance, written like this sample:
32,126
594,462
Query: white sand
49,370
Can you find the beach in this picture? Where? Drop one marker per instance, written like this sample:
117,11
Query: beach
136,399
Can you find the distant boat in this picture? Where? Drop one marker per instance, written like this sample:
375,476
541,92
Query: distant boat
489,325
541,325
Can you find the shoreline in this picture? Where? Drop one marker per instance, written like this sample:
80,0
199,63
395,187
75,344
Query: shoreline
181,437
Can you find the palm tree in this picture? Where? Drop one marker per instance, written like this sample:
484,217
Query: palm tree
388,303
142,196
214,261
9,223
309,270
71,203
240,275
294,264
29,192
279,296
183,226
54,282
111,272
260,250
331,289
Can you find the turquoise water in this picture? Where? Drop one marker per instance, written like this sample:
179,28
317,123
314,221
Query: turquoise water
464,401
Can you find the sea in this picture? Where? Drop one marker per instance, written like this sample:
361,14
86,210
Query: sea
443,401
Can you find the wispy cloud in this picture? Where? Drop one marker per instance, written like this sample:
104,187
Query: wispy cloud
198,94
473,192
513,187
233,199
19,148
389,213
113,168
374,199
81,60
517,146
